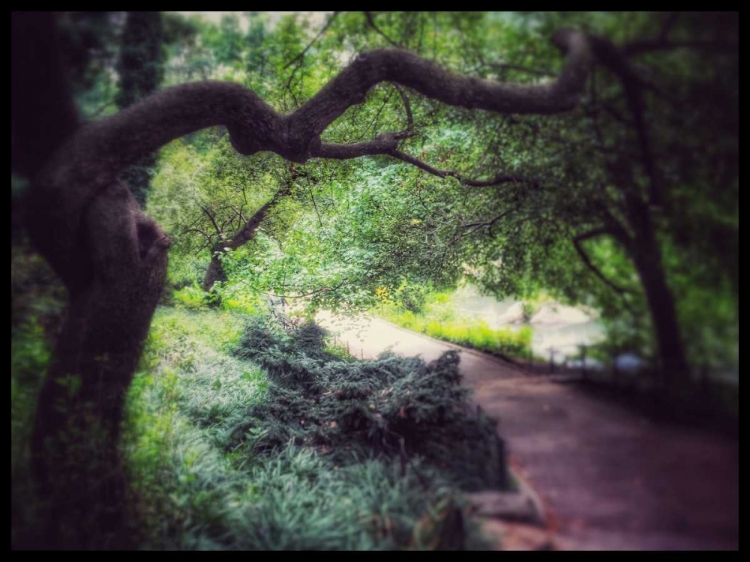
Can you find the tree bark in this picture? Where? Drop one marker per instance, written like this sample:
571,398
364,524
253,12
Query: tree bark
646,255
74,445
674,363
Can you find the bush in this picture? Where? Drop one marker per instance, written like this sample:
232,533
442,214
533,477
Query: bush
190,297
391,408
411,296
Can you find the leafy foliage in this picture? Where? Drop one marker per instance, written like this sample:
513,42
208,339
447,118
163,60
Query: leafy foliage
348,228
218,452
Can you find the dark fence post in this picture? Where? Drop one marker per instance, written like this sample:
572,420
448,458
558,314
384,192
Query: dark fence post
706,384
615,373
551,360
583,361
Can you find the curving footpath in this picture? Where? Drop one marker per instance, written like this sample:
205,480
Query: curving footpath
609,478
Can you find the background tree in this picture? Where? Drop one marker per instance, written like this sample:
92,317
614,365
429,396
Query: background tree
140,70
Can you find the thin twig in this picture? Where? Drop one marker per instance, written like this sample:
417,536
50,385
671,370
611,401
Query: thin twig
320,33
371,22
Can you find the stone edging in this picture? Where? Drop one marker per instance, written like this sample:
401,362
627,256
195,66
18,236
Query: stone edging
523,505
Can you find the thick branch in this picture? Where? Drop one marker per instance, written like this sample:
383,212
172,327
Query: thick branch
254,125
97,152
434,81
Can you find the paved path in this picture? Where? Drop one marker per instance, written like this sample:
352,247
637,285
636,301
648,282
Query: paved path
609,477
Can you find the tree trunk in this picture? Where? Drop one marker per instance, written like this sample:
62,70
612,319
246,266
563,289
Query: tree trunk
74,444
646,255
215,271
112,258
140,69
661,305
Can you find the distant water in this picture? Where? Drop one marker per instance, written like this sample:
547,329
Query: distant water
557,326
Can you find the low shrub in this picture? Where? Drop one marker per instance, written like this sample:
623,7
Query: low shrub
391,408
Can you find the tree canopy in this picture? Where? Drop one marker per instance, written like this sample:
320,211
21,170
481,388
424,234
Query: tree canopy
516,203
334,158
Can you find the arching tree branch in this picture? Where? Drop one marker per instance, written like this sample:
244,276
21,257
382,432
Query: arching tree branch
94,156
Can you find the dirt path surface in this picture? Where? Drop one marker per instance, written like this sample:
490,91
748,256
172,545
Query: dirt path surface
609,477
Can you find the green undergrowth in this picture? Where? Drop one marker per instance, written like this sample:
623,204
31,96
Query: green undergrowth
30,354
236,439
230,298
37,300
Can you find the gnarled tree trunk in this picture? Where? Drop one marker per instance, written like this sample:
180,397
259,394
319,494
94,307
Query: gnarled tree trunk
74,445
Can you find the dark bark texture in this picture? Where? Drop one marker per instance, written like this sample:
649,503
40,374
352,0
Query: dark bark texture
74,445
646,255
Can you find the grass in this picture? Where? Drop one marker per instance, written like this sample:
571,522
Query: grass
198,484
439,320
192,297
195,485
30,353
